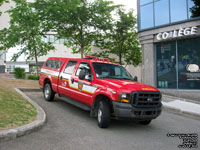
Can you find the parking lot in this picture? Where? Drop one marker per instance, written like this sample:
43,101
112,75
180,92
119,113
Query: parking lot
68,127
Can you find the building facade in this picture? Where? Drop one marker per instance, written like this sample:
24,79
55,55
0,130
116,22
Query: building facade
169,32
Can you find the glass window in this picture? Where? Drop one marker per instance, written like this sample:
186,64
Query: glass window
190,5
166,65
49,64
87,68
178,10
161,12
193,8
56,40
142,2
146,14
57,64
189,63
44,39
70,67
111,71
51,38
62,41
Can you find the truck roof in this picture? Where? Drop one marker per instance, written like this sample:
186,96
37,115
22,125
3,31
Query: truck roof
87,59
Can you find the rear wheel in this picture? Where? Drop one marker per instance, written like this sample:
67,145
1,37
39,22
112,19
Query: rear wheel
48,92
103,116
145,122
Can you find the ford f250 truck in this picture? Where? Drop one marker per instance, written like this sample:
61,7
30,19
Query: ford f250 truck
104,88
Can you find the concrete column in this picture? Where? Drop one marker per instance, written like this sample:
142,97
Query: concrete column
148,64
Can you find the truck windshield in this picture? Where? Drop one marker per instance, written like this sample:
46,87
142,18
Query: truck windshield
111,71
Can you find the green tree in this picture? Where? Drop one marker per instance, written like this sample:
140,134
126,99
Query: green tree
81,22
195,10
122,40
1,2
24,32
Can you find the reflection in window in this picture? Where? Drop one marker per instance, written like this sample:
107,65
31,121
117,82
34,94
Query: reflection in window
194,8
189,63
147,16
161,12
103,70
166,65
142,2
86,67
70,67
178,10
190,5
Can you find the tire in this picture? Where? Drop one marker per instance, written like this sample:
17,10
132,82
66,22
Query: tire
147,122
48,92
103,114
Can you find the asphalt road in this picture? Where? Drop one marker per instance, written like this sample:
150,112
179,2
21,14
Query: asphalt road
70,128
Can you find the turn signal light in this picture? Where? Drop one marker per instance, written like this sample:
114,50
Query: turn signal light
125,101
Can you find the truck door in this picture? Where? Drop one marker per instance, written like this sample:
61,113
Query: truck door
65,83
84,88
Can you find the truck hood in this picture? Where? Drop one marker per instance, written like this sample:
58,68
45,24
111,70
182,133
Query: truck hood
127,85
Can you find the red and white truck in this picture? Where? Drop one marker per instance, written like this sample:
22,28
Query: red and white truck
104,88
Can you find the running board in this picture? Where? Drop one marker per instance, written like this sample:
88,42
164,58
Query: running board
75,103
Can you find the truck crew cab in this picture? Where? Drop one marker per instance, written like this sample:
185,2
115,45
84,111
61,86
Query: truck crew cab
104,88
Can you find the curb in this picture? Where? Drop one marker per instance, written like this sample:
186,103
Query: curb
10,134
30,90
182,99
180,112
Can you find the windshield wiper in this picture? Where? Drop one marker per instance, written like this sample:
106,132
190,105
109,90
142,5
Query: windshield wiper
126,79
112,77
109,77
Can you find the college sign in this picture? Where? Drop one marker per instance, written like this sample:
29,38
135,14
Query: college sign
177,33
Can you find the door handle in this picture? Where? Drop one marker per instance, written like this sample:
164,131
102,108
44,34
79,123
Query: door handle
72,80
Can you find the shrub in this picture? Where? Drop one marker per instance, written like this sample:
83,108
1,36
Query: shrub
33,77
19,73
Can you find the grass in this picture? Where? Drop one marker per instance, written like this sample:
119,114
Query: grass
14,109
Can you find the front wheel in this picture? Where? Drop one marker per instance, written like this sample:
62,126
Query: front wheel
48,92
145,122
103,116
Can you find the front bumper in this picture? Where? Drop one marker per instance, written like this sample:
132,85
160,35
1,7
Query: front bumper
125,111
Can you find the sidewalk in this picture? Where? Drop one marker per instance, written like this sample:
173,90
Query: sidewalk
181,106
7,75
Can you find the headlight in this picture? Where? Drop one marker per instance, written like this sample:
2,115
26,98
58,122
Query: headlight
124,97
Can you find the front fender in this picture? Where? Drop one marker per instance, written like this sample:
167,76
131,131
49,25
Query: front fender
106,92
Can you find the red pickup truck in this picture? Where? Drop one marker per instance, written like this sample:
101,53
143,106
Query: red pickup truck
104,88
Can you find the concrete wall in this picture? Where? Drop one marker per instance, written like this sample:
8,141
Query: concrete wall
148,39
135,71
61,51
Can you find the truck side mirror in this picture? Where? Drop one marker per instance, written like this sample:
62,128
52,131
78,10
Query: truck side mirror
82,74
135,78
